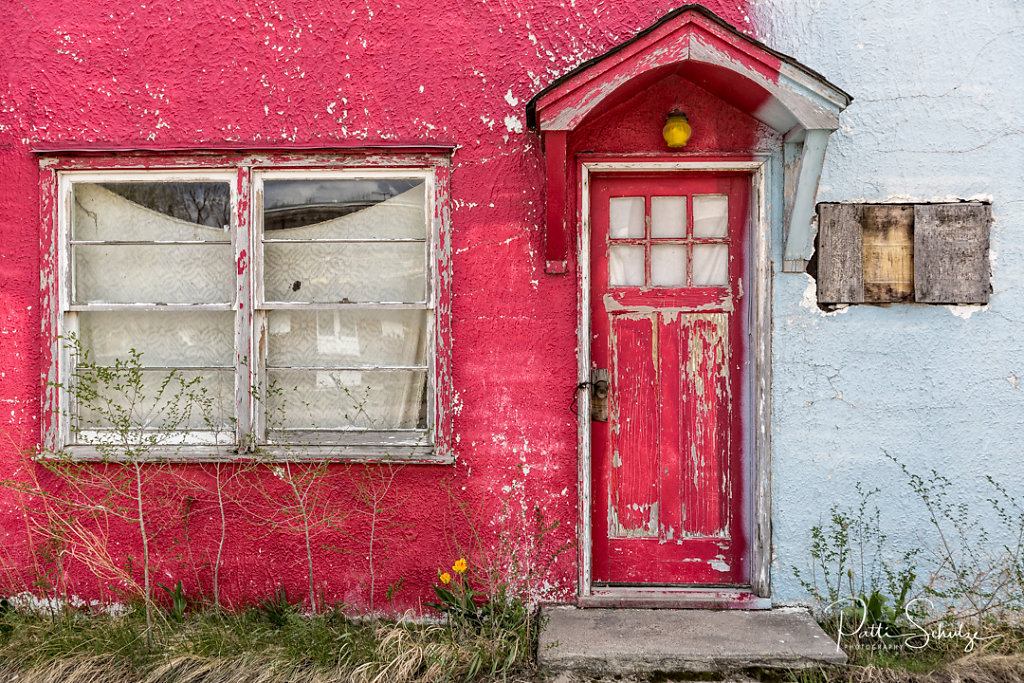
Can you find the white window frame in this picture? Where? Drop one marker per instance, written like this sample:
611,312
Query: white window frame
246,174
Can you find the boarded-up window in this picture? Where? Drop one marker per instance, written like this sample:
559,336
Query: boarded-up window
892,253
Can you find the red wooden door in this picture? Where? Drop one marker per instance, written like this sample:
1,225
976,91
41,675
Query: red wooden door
669,324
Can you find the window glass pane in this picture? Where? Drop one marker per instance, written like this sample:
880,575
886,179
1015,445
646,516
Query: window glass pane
147,212
360,272
625,265
710,264
190,273
626,217
344,209
347,399
668,265
668,216
710,215
164,338
206,404
347,337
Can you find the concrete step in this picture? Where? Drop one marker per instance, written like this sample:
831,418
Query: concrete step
630,642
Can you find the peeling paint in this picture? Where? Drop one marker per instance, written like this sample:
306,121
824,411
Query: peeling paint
671,352
125,75
930,385
965,312
719,564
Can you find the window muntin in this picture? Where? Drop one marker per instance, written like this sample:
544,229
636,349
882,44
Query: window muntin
674,241
353,344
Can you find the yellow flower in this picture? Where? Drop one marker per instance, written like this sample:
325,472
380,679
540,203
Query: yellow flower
460,566
446,578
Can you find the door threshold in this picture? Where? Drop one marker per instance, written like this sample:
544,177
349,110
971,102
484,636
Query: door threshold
668,597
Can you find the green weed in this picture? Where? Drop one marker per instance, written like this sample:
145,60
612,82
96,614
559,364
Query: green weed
919,612
214,645
176,612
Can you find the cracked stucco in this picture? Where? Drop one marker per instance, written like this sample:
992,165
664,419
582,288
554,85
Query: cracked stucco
937,92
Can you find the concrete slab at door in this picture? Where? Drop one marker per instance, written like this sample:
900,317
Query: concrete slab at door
626,642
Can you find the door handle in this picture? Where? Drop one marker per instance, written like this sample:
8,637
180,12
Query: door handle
599,395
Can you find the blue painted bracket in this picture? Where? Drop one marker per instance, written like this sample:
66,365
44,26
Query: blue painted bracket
803,159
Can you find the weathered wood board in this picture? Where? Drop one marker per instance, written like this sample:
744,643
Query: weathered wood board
951,243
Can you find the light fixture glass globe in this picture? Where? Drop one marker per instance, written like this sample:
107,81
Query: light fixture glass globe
677,129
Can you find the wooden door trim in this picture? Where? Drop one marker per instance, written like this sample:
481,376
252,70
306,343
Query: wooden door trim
758,441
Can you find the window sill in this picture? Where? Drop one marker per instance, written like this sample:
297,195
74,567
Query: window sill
420,454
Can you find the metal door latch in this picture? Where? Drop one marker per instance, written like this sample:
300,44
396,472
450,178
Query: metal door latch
599,395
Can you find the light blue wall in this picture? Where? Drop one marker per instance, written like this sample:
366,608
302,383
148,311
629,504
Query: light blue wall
938,114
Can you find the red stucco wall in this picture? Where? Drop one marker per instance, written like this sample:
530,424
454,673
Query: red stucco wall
167,74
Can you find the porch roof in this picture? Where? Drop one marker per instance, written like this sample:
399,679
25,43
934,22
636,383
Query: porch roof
702,47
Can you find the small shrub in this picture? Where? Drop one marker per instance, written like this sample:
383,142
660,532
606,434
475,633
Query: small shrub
850,577
962,594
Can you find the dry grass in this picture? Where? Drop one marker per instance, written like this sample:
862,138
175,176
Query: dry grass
970,669
275,645
251,647
430,662
179,669
999,658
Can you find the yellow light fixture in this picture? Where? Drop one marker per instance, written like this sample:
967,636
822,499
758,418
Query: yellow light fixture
677,129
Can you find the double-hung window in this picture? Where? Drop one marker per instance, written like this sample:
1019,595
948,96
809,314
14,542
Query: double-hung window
306,305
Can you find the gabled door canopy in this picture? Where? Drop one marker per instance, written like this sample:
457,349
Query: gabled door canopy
702,47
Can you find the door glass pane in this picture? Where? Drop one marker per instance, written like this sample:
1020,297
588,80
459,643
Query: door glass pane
668,216
347,399
710,265
710,215
347,338
144,212
153,273
357,208
164,338
625,265
345,272
626,217
668,265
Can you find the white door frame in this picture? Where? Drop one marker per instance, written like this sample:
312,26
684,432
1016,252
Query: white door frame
757,447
